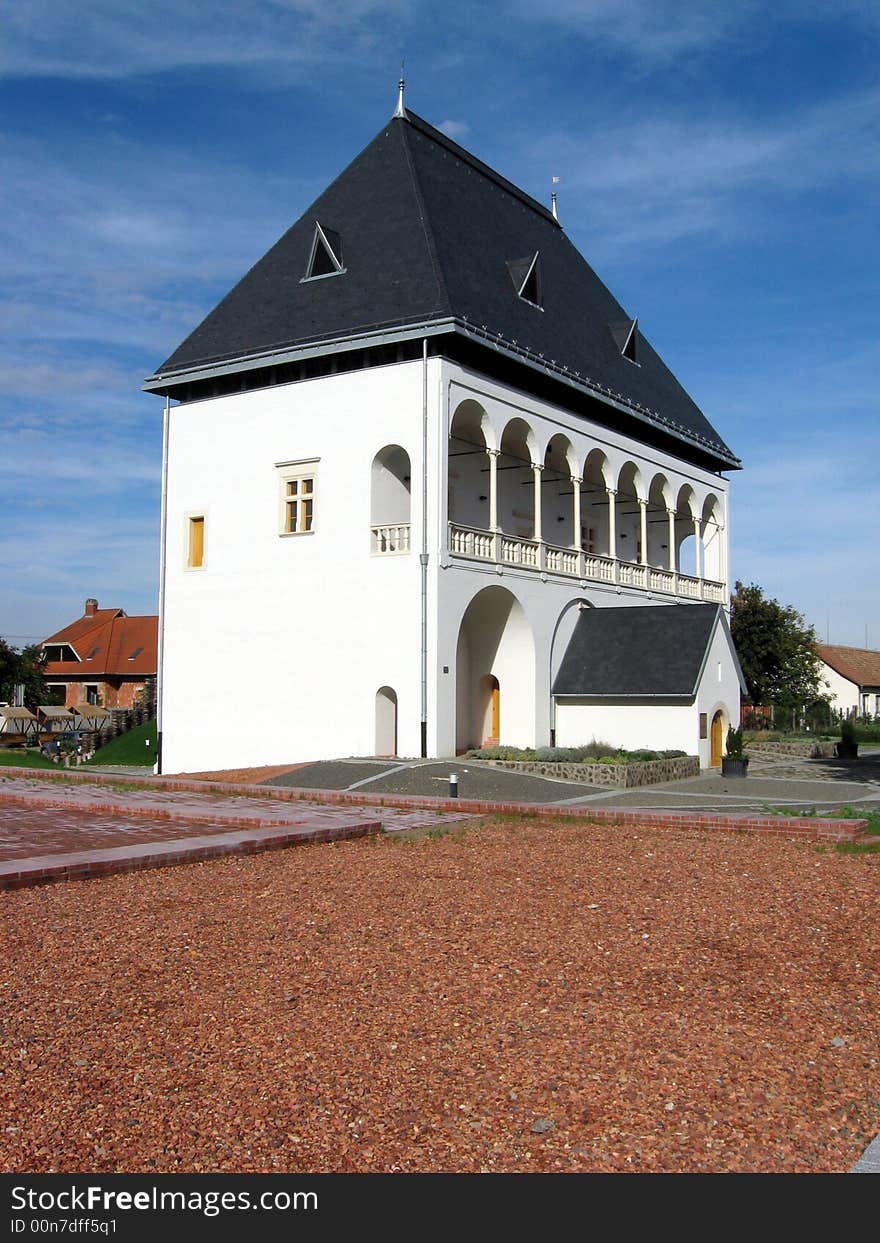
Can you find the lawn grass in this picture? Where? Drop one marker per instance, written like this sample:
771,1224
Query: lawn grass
24,759
130,748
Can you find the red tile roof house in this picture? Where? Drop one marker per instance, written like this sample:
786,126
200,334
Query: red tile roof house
852,678
103,658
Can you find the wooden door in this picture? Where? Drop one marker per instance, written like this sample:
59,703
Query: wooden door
715,760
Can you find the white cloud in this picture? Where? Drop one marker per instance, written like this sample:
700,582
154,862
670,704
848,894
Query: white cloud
651,181
455,129
121,38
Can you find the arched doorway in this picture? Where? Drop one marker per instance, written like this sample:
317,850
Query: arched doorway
386,721
490,694
495,649
717,736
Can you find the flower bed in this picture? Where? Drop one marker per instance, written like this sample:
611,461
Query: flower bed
623,776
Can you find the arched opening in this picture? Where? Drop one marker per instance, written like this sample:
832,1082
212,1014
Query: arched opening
516,486
717,739
628,514
595,516
659,502
495,650
468,475
386,721
390,488
686,547
557,500
562,632
711,528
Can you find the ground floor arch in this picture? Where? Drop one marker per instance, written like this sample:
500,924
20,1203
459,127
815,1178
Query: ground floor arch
386,721
495,673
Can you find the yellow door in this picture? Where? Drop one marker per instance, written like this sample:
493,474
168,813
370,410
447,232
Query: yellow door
716,740
496,711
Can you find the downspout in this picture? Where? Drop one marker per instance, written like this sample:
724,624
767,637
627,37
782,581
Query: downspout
423,559
163,529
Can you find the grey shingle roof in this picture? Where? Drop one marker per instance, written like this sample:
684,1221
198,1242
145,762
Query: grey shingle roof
637,653
429,234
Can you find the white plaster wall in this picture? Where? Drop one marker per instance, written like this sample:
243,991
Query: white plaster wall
293,636
275,650
658,727
844,694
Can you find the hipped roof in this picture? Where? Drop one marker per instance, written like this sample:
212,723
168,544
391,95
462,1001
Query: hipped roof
655,651
108,644
857,664
429,236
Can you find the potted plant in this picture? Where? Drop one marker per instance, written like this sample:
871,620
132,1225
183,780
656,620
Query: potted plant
848,747
735,763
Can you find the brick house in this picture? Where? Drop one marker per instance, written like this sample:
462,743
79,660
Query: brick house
105,657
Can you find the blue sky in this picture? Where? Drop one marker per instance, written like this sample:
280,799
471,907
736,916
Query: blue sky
720,169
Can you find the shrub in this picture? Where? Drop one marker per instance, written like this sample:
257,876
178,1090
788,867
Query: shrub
555,754
735,748
500,753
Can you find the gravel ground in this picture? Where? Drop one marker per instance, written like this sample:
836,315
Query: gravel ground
511,997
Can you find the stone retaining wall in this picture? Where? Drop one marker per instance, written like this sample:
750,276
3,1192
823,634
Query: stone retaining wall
806,750
623,776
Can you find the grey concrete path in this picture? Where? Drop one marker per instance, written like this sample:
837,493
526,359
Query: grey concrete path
782,783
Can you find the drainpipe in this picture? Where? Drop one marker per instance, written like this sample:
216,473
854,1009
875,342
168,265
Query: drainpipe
163,529
423,558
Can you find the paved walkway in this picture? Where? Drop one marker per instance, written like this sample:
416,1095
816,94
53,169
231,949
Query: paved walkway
774,783
62,828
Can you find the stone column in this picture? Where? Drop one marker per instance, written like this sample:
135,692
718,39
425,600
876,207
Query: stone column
493,488
612,530
536,471
576,512
643,530
612,522
670,513
698,549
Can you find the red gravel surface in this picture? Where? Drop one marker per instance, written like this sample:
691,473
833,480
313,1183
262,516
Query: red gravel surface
512,997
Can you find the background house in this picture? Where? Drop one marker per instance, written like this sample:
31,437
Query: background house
851,676
105,657
402,456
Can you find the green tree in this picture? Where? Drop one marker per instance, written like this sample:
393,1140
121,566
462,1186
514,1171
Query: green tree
776,649
22,668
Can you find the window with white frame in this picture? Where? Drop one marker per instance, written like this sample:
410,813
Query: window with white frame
298,486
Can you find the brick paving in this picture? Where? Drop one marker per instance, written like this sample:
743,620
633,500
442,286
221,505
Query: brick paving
58,830
60,826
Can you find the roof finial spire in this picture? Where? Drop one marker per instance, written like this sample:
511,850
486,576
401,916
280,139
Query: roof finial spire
553,199
401,111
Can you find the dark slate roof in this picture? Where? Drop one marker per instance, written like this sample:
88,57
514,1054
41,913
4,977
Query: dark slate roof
429,236
637,653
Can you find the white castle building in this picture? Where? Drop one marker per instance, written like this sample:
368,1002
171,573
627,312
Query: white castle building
426,486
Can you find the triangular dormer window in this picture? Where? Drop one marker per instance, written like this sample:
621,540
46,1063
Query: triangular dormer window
526,277
325,258
626,338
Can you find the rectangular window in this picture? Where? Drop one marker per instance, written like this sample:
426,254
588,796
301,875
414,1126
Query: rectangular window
299,506
196,551
298,488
